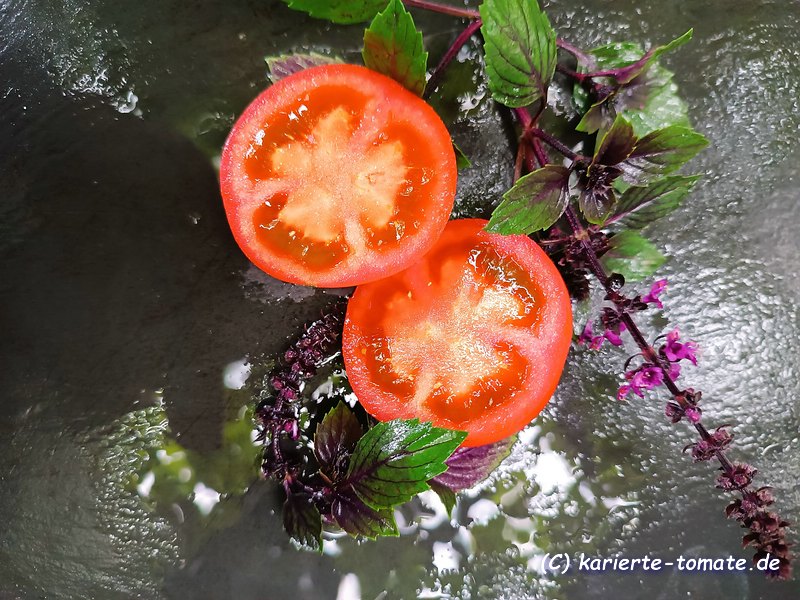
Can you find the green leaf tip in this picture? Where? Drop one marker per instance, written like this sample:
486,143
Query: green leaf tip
520,51
535,202
393,46
339,11
462,160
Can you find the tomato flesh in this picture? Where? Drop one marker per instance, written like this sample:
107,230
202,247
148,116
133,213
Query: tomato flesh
473,336
336,176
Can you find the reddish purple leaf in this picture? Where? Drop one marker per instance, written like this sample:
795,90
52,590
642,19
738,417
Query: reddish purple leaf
335,440
288,64
468,466
356,518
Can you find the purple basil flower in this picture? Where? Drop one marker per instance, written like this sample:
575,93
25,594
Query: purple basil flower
674,371
738,478
587,337
651,297
646,377
692,414
613,336
675,351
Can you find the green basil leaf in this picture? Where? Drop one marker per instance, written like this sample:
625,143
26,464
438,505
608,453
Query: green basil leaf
446,495
535,202
393,46
641,205
600,114
339,11
462,160
632,256
394,461
520,50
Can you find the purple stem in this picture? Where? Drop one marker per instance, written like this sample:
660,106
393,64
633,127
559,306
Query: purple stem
448,57
579,77
529,128
444,9
556,144
575,51
599,272
647,350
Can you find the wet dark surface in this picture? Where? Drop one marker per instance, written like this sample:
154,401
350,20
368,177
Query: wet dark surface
127,314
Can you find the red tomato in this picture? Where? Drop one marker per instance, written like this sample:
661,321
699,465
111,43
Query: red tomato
336,176
473,336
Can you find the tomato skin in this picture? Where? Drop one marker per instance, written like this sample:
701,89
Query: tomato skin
453,314
329,199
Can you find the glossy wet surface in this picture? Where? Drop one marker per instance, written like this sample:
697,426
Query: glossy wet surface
134,332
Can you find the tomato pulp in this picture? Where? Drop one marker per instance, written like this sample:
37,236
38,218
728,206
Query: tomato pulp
473,336
337,175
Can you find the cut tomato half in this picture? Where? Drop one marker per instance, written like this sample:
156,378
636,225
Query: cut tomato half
473,336
336,176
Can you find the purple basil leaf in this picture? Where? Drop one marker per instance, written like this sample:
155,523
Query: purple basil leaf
616,144
356,518
630,72
469,466
661,152
335,439
394,460
600,114
302,520
640,205
288,64
597,204
597,199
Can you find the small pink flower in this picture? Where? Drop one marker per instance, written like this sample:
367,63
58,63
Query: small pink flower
657,288
674,371
587,337
675,351
647,376
692,414
612,337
